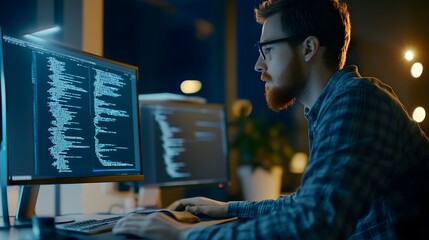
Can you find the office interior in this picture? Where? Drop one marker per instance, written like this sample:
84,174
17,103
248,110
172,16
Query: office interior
212,41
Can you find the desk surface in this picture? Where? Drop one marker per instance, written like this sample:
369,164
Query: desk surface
26,233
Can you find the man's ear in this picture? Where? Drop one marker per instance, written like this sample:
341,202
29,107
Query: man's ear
311,46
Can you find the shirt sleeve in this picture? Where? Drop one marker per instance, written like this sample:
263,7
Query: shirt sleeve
249,209
349,163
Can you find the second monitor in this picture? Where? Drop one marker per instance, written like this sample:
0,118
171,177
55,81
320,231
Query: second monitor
183,143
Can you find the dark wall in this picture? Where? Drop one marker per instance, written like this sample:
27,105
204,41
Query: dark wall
18,17
169,43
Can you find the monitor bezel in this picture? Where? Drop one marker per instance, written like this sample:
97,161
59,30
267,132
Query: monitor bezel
61,180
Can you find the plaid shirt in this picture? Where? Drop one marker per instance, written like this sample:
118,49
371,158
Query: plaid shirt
366,154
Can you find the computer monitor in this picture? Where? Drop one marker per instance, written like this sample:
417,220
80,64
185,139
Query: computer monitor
183,144
67,117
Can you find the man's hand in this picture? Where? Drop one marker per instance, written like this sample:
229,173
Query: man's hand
203,205
152,226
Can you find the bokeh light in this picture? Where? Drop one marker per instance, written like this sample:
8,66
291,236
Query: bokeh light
416,70
190,86
241,107
298,162
409,55
419,114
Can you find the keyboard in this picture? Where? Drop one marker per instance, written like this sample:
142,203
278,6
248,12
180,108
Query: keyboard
91,226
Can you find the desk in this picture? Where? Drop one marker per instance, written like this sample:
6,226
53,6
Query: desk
26,233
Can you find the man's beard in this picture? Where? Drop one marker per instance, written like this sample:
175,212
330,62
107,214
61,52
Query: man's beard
279,98
283,96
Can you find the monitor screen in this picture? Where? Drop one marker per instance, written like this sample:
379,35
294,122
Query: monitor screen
183,143
67,116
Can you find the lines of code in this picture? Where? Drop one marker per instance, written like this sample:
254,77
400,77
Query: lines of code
64,88
88,122
107,84
173,146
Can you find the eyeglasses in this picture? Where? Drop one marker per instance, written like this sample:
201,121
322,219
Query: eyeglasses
285,39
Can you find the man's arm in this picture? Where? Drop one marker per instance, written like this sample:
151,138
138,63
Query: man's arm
241,209
249,209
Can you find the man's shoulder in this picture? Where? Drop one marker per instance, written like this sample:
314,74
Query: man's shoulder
361,96
363,88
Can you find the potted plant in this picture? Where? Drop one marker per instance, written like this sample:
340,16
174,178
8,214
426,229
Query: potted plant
263,150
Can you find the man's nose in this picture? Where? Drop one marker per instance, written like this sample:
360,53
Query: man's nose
260,64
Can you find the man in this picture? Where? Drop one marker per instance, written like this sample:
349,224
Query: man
368,158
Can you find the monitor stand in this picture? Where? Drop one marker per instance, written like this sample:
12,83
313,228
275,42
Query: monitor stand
4,221
26,208
149,197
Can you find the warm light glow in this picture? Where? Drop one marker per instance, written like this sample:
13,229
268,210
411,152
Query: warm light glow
419,114
416,70
298,162
240,105
409,55
190,86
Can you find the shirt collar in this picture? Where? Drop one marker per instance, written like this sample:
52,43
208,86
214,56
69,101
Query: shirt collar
312,113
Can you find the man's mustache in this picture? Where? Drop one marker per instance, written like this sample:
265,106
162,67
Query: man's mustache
265,77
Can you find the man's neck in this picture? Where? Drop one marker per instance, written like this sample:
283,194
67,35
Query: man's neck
318,78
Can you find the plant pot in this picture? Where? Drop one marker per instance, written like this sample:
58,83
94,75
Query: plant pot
260,184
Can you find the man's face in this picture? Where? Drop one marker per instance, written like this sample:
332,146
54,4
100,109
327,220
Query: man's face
281,70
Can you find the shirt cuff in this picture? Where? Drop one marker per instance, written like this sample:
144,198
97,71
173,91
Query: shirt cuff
234,208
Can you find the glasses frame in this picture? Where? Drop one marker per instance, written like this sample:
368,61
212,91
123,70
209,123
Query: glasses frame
259,45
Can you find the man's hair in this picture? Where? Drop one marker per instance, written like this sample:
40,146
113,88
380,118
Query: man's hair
328,20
